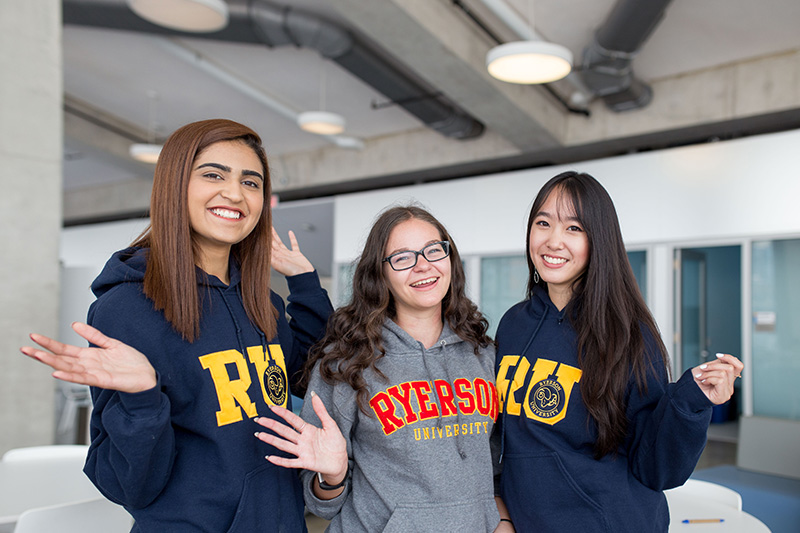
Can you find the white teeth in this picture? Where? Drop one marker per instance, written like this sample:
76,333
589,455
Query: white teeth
224,213
423,282
554,260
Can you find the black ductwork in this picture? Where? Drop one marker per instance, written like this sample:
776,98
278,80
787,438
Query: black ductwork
606,66
262,22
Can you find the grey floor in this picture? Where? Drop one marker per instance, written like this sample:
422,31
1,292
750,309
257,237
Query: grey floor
720,450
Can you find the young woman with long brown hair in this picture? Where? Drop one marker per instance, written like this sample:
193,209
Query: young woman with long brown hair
195,345
405,371
591,430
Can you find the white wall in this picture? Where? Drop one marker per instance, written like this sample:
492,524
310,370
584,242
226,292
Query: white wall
31,148
715,191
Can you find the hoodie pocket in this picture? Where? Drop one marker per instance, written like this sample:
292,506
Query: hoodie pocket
473,516
271,501
542,496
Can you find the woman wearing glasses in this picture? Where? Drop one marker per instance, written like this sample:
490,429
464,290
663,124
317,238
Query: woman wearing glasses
405,371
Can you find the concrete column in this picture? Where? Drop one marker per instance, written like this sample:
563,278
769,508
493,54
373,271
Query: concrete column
30,212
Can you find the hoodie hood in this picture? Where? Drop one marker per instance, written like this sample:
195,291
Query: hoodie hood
130,264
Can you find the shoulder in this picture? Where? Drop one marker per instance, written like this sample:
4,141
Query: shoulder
519,312
125,313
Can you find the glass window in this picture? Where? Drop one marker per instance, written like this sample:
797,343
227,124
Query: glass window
638,260
776,335
344,283
503,283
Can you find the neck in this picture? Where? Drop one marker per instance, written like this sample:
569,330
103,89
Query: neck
215,263
426,327
560,297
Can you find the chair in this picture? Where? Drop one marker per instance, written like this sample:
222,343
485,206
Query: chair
42,476
97,515
69,452
704,490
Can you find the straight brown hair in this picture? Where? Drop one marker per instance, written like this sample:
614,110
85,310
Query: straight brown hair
170,279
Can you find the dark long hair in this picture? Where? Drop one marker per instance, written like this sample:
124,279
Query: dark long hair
352,342
170,276
606,309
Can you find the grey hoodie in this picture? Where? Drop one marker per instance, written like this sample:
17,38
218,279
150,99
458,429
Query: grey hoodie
421,461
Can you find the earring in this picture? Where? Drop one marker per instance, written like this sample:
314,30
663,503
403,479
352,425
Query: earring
535,276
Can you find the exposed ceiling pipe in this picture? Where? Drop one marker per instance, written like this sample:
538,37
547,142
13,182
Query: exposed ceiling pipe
262,22
606,68
219,73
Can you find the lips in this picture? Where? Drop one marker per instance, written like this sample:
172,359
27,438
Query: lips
229,214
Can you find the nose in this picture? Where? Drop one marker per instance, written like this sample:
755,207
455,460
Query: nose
555,240
422,264
232,190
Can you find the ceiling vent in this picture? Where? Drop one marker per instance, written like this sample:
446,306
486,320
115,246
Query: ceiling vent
606,66
262,22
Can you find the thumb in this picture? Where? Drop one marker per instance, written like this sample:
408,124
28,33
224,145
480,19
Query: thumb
93,335
322,413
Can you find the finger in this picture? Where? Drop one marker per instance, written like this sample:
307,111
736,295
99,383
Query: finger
293,241
284,462
287,432
277,442
734,361
93,335
76,377
322,413
276,239
57,362
295,421
57,348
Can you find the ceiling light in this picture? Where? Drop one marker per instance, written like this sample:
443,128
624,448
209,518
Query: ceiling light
529,62
184,15
146,153
321,122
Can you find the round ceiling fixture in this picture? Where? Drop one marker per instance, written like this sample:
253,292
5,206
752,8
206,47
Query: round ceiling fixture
185,15
321,122
529,62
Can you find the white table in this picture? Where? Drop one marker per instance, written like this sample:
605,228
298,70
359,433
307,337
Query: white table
682,508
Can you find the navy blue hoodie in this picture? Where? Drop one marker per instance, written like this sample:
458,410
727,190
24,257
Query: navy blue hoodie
183,455
550,479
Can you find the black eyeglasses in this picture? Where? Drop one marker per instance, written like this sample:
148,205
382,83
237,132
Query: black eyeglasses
435,251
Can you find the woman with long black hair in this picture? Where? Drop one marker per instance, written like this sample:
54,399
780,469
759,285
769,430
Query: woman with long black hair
590,428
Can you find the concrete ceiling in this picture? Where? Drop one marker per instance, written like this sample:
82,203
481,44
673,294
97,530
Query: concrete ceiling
718,69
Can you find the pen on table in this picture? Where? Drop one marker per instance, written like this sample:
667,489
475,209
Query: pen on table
702,520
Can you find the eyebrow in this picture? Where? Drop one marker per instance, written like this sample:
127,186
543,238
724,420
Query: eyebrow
410,250
226,168
571,218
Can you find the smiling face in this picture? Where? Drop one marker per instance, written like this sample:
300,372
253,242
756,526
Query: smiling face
559,247
418,290
225,196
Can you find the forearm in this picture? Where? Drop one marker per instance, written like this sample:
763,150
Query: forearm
505,524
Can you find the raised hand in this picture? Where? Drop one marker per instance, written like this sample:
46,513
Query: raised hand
716,378
112,365
289,262
322,450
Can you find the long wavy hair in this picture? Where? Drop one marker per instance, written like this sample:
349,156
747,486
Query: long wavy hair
352,342
170,279
606,309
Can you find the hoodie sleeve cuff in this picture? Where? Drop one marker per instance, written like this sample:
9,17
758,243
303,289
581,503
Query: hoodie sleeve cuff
143,403
305,282
688,397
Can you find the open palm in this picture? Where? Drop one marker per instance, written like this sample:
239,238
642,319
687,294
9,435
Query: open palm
111,365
